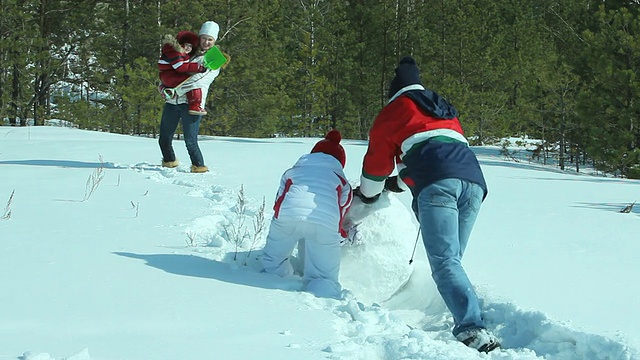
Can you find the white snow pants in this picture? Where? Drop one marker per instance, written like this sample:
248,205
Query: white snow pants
319,250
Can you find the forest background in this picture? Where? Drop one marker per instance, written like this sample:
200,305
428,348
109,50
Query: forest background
563,71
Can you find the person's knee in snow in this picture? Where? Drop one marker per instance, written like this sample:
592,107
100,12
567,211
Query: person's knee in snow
324,288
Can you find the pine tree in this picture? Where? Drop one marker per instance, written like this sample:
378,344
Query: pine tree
14,81
610,101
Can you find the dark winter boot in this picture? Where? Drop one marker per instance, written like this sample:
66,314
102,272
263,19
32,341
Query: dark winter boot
479,339
194,97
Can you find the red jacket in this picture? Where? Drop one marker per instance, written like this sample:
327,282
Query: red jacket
174,64
425,148
400,125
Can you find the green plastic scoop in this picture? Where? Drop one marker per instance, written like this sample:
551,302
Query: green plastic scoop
214,59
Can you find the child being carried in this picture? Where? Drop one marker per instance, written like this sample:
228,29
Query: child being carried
175,67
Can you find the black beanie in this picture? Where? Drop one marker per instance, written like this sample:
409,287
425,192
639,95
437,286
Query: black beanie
407,73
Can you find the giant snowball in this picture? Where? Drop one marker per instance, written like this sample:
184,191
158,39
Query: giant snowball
377,265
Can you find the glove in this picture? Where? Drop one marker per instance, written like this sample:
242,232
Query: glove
167,93
351,235
391,184
366,200
228,57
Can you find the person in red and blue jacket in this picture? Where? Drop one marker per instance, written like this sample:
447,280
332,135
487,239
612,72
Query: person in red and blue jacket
311,203
418,134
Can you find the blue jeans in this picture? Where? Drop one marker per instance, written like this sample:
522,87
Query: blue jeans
447,210
171,116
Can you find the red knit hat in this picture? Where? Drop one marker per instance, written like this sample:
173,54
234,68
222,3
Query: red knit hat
331,145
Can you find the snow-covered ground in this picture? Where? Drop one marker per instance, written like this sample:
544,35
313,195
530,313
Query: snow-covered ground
106,256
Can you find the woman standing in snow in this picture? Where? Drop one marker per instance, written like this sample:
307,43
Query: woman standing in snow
419,131
312,200
176,109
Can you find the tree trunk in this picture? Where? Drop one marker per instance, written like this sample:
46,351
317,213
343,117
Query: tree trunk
15,97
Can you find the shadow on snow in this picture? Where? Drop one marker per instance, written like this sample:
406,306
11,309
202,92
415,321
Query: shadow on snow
79,164
196,266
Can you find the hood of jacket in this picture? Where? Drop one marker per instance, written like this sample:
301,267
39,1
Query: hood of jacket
170,42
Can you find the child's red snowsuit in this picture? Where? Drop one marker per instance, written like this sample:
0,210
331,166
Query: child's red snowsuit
175,67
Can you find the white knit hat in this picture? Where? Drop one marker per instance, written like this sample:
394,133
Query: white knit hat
210,28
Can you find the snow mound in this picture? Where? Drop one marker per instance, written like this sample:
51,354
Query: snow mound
378,266
32,355
521,329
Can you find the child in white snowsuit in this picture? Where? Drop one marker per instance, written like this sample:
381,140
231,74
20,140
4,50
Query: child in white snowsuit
312,200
